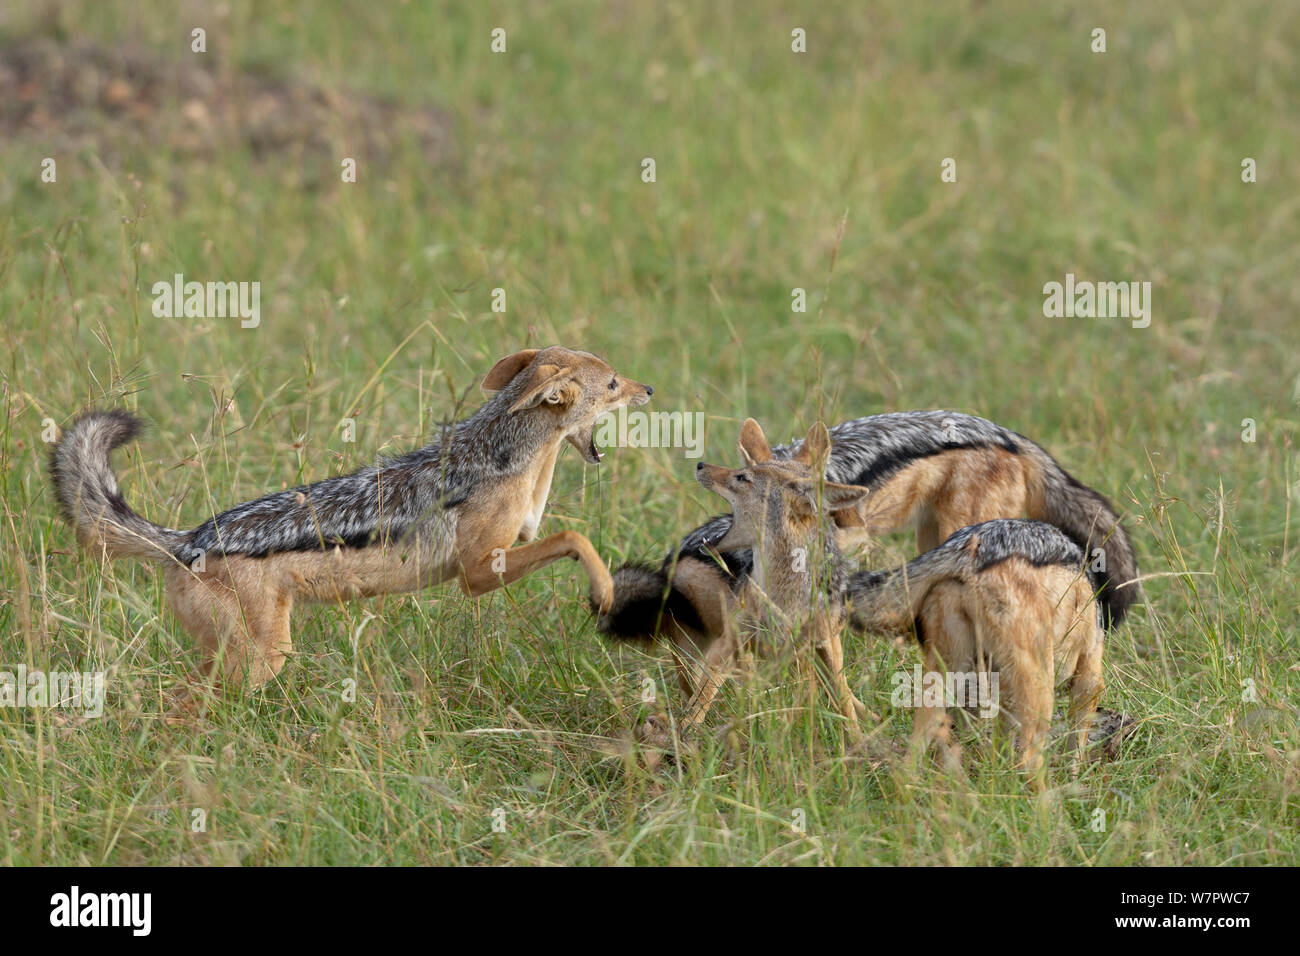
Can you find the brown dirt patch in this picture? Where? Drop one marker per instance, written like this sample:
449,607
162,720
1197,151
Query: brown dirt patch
119,101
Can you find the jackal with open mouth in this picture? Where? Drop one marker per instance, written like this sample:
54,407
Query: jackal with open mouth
466,506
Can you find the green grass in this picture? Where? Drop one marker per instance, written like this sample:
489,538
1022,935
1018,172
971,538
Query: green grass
774,171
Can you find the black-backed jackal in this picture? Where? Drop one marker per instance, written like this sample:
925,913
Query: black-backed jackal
465,506
798,585
1003,597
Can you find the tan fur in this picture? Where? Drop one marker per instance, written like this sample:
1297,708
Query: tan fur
715,607
1036,627
944,492
779,507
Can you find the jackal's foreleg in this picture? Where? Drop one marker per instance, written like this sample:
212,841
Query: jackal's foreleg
500,566
830,654
710,672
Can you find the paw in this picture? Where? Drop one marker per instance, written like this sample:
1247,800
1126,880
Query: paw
657,744
602,595
950,755
657,732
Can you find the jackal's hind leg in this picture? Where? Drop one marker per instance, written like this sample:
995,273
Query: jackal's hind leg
241,621
1032,701
709,672
932,726
1085,691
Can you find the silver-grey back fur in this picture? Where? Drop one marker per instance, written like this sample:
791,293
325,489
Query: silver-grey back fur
386,502
889,600
867,451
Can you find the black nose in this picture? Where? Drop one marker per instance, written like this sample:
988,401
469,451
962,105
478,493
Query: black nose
699,466
649,389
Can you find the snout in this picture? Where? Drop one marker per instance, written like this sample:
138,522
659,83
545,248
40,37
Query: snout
641,393
710,476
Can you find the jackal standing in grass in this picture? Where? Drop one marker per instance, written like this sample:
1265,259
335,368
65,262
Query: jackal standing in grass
798,585
1007,597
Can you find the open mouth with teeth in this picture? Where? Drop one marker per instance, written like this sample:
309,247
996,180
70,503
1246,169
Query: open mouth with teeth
585,442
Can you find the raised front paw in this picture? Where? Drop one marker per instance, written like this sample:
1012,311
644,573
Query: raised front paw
602,594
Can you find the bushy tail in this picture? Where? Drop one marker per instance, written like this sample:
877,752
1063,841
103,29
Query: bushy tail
88,495
887,602
644,600
1089,520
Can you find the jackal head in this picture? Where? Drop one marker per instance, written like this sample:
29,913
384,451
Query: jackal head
570,389
779,504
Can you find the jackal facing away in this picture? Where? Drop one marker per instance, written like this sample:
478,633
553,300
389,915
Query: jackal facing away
454,508
1004,597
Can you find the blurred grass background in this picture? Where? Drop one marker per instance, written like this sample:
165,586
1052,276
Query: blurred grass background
775,170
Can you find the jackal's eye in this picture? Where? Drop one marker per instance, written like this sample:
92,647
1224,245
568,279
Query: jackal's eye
613,384
742,478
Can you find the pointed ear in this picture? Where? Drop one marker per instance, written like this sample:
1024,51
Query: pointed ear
503,373
838,497
816,448
753,445
550,385
843,497
847,518
842,502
